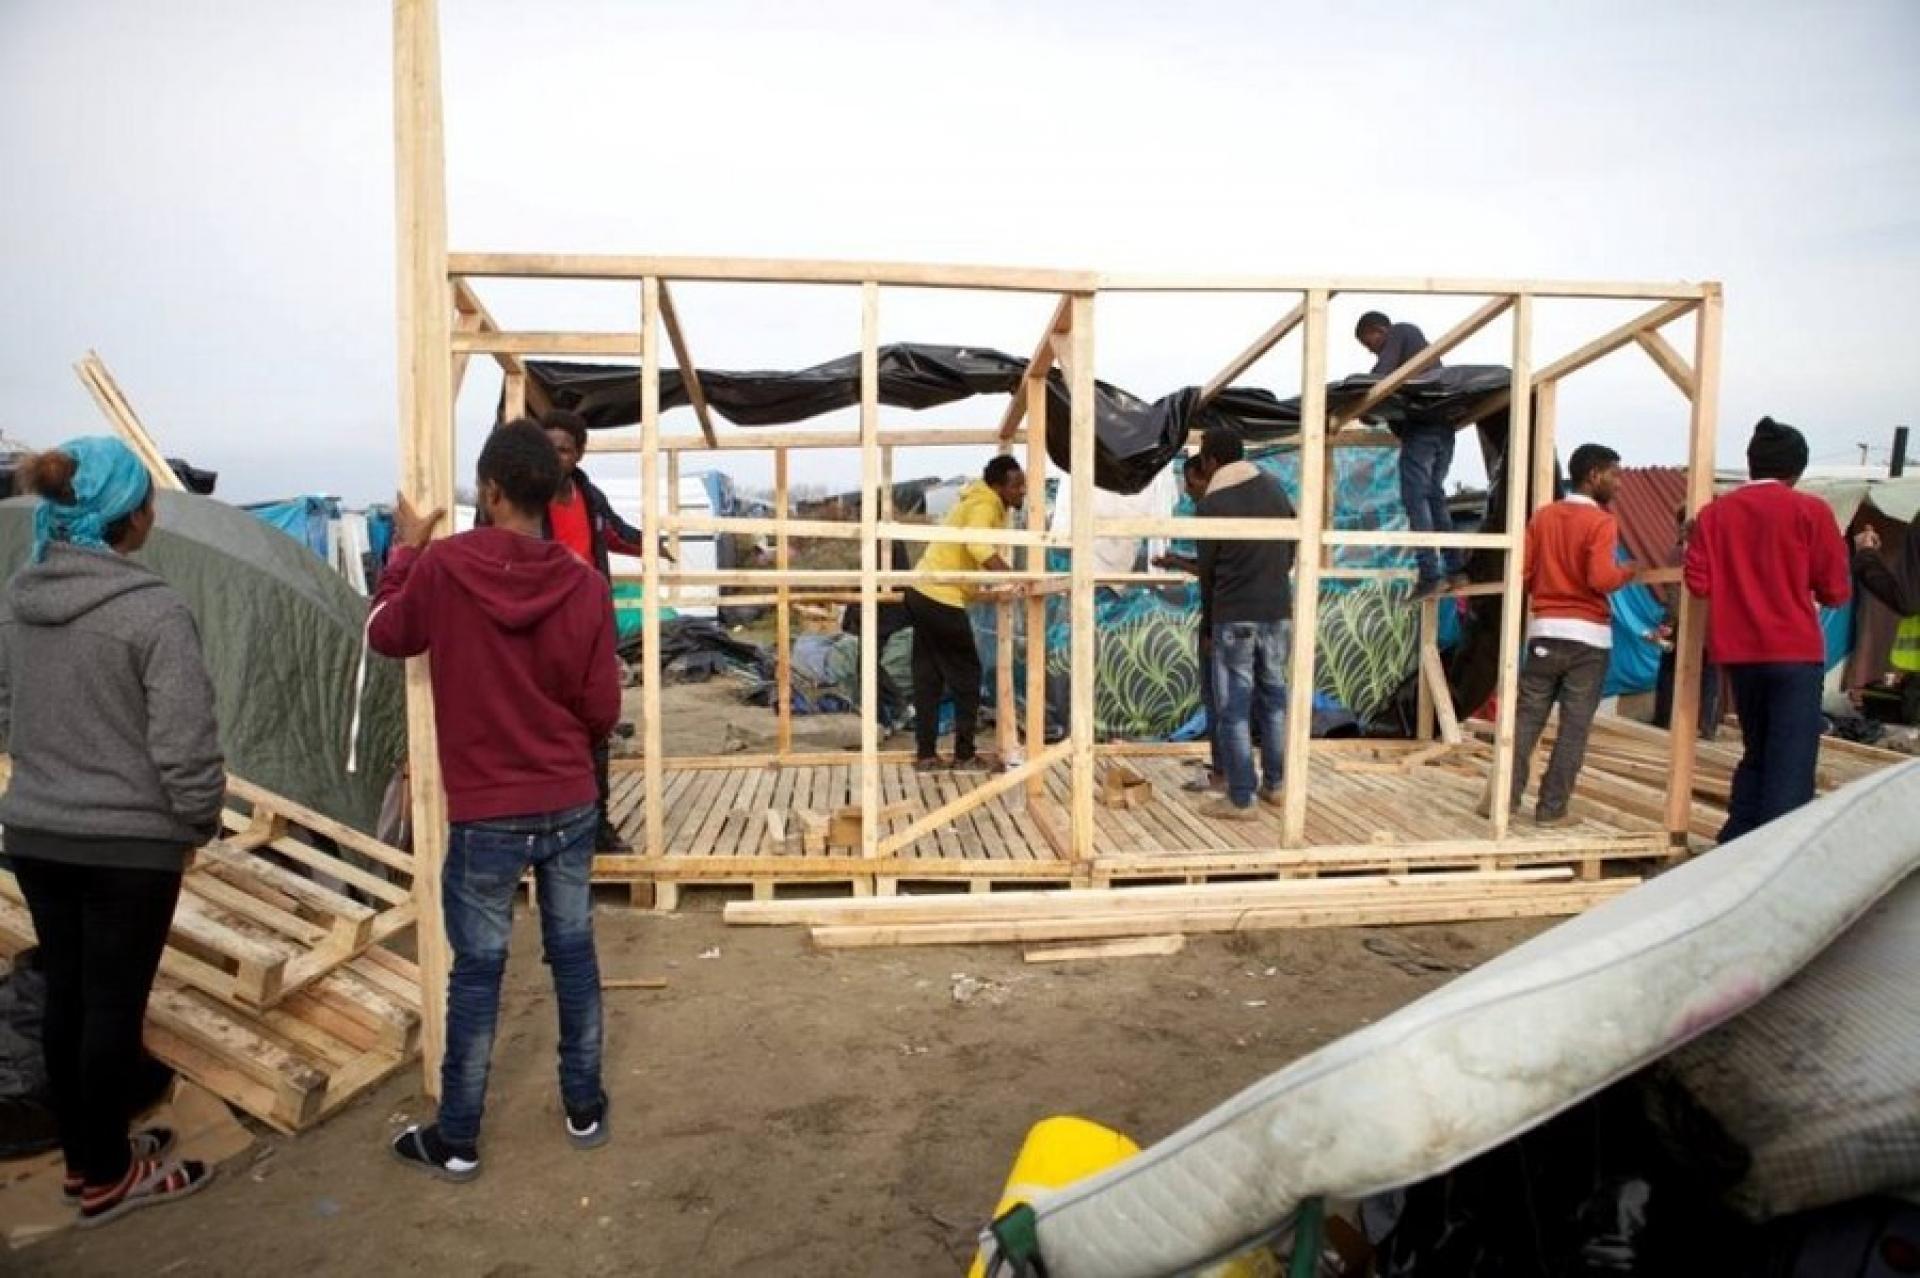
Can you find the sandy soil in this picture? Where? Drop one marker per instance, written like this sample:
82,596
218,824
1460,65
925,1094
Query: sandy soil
780,1111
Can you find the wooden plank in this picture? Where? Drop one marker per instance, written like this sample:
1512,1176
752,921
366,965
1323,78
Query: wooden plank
1200,282
298,1089
1690,638
783,617
1428,357
1433,677
1085,655
689,373
106,392
767,438
426,446
1600,347
1513,608
1558,899
590,266
1019,404
987,789
531,343
652,741
1036,637
1670,361
1546,419
1247,358
1306,604
1136,947
869,564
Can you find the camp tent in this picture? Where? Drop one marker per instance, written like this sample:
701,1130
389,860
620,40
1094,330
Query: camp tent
282,633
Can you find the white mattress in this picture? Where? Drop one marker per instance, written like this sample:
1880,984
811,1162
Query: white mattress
1500,1049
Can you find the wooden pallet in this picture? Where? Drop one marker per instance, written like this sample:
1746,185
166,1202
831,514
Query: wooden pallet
291,1065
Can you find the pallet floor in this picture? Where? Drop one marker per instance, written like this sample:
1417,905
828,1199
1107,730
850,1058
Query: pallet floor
1361,816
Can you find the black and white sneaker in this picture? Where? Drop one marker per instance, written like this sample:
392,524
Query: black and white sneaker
422,1147
587,1128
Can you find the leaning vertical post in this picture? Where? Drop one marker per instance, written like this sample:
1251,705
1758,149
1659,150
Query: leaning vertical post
869,576
426,453
1035,389
1306,596
650,564
1081,423
1513,605
1691,639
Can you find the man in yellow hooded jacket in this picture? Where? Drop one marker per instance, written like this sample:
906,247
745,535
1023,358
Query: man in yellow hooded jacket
946,661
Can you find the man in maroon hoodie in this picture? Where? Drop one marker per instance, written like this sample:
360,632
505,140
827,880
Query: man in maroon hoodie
520,634
1762,556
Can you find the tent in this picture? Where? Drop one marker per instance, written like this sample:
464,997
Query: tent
282,633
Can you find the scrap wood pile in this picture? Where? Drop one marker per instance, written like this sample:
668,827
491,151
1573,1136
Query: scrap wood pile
277,990
1113,914
1627,769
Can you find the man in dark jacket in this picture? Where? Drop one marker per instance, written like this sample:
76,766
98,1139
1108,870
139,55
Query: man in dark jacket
1426,455
1247,603
582,519
520,633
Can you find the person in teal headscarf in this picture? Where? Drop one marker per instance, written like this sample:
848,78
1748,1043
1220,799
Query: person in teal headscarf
117,777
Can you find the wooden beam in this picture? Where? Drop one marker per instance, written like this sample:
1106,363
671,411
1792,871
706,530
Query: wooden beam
1006,713
988,790
516,395
1038,364
651,729
426,454
1670,361
1144,282
1034,391
1249,357
783,635
766,438
463,322
106,392
1223,529
1085,653
1425,360
1513,608
690,375
1600,347
1546,420
467,302
869,566
748,270
473,342
1690,641
1306,595
1137,947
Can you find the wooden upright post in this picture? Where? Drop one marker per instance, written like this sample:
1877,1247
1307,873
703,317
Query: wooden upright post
652,739
1084,649
426,454
1306,595
1691,639
869,581
783,621
1035,389
673,505
1513,603
1546,419
516,396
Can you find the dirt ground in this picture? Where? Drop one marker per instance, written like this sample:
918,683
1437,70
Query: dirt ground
779,1111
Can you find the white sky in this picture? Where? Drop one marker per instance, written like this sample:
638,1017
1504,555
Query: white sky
203,192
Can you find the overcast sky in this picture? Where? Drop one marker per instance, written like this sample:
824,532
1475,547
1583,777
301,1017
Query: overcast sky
202,191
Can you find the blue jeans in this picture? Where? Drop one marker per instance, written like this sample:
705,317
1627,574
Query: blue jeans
1780,726
485,862
1426,454
1249,678
1214,767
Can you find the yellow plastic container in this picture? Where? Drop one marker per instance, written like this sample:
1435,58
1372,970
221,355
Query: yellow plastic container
1061,1150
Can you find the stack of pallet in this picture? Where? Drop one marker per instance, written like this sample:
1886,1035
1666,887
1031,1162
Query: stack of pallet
1113,913
276,990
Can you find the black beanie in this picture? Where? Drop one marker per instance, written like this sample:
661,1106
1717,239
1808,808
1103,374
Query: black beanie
1776,451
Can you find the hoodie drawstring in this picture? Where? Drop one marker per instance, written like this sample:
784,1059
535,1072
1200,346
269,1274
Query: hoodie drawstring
360,691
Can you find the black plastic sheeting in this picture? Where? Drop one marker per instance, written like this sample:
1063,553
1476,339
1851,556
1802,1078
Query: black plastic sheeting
1134,439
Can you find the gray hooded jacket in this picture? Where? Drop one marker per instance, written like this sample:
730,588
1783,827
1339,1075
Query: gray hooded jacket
107,709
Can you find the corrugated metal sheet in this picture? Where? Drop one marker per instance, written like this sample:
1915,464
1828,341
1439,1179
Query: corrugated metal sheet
1645,504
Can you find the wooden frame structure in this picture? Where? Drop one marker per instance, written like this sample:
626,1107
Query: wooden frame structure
442,323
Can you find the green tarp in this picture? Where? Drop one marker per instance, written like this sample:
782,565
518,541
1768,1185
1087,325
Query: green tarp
282,636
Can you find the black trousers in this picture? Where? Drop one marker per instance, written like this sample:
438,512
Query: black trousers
1780,728
101,931
945,663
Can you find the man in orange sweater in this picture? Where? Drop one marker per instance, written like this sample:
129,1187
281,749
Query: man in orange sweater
1571,569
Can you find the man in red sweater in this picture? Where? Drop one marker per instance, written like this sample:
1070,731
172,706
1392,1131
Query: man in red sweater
1762,556
1572,566
520,632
